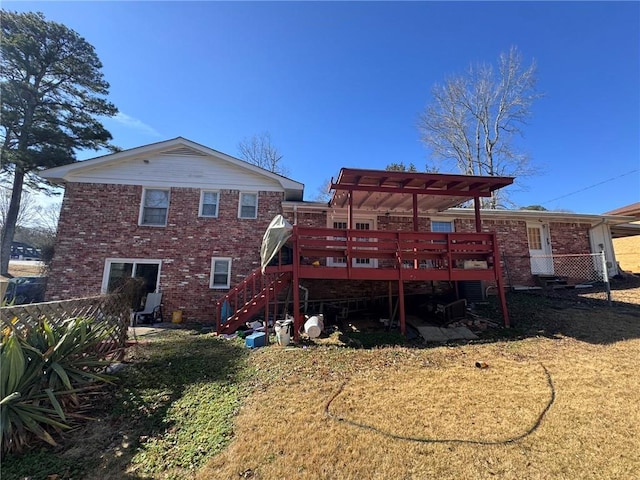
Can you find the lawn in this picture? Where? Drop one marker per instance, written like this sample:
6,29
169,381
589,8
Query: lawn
552,406
172,409
558,399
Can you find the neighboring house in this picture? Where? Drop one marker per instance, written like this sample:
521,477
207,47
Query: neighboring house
189,221
626,238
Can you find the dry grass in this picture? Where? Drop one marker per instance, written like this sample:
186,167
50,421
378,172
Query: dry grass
26,268
430,413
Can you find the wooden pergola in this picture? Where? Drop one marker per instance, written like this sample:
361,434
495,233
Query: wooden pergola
391,191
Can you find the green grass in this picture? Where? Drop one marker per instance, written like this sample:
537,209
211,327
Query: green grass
171,410
41,463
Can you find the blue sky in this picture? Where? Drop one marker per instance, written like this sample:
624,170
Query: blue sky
343,83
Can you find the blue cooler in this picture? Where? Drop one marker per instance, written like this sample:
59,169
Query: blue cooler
254,340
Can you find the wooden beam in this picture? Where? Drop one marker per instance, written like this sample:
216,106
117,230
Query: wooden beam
381,201
364,199
401,199
476,206
297,318
403,326
390,302
415,212
468,194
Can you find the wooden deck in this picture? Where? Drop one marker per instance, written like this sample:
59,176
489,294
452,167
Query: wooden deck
349,254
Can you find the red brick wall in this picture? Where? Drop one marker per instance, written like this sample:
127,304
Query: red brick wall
514,246
400,224
101,221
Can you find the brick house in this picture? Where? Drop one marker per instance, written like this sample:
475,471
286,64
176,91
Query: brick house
186,218
189,220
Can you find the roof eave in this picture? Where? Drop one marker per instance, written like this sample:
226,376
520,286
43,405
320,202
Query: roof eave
63,173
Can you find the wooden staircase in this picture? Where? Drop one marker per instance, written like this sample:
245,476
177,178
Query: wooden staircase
249,298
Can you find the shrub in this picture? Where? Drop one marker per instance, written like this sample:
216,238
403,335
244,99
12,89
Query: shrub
44,372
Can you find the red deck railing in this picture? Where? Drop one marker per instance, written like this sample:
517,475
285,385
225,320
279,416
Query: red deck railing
372,254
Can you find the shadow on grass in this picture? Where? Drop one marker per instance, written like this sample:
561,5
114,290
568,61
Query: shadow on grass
140,412
584,314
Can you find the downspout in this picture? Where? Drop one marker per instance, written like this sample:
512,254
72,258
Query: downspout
306,297
295,214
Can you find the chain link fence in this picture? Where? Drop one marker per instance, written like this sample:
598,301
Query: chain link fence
582,277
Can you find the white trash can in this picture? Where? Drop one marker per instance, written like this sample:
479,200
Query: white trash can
314,326
283,330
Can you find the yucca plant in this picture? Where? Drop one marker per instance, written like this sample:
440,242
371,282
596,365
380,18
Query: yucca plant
44,370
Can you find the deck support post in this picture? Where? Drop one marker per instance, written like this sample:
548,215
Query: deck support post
415,226
499,283
266,314
350,210
390,302
297,318
403,327
476,207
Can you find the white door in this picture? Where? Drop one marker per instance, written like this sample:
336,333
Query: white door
540,249
359,262
338,261
364,262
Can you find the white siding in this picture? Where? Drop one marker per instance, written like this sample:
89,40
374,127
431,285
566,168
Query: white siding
171,170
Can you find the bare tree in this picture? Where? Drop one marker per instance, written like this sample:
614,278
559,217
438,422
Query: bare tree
259,151
473,119
28,212
323,193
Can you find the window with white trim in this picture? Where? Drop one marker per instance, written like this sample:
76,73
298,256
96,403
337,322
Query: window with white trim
220,272
155,207
248,205
209,201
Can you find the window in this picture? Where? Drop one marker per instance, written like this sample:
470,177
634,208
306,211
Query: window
209,204
535,238
248,207
155,205
220,272
441,227
117,271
